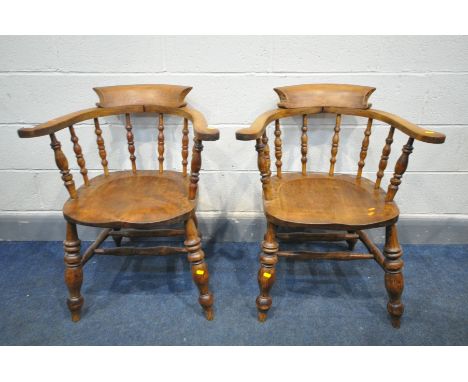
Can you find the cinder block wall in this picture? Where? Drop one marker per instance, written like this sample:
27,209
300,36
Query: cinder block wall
423,79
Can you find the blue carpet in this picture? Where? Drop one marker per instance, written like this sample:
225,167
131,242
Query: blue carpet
152,301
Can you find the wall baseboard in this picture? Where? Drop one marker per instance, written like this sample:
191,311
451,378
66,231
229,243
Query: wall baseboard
235,228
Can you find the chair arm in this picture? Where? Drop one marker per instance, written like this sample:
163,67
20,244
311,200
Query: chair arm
200,126
60,123
259,125
401,124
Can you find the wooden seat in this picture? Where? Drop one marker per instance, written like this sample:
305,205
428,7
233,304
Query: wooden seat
134,203
126,200
343,204
334,202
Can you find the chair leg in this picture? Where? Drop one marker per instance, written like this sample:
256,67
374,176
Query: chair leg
393,266
351,242
267,273
117,239
200,273
73,271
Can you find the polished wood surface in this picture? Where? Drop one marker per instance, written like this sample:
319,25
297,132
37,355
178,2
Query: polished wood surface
339,95
135,203
124,199
333,202
261,123
199,124
149,94
323,201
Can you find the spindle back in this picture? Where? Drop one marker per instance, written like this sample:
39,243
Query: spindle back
126,100
340,100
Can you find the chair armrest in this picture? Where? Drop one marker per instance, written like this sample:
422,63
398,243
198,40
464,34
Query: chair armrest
62,122
259,125
401,124
200,126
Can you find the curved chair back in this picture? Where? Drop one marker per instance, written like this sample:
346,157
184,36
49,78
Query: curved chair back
126,100
340,100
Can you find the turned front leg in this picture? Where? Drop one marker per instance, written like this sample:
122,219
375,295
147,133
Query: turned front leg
267,272
200,273
393,266
73,271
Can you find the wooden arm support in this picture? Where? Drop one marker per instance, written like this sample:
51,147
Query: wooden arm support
60,123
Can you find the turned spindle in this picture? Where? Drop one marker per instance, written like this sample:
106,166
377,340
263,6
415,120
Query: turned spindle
266,151
195,167
364,147
262,167
161,142
101,146
384,158
185,144
131,144
335,141
79,155
400,168
278,148
62,164
304,144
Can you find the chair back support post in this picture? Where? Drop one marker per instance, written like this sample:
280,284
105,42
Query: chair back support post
185,144
266,151
304,144
364,147
79,155
101,146
384,158
335,142
131,144
278,148
161,143
195,167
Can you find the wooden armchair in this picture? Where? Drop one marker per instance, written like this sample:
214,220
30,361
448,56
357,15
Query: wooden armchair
346,205
134,203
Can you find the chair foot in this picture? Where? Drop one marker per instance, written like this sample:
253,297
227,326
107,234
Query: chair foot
267,273
262,316
394,281
200,274
73,272
396,322
209,314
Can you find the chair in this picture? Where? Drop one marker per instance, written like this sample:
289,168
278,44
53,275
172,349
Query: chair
133,203
343,206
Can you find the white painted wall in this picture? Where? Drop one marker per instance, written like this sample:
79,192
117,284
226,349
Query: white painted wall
423,79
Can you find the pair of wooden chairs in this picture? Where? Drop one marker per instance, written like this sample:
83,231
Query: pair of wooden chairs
145,203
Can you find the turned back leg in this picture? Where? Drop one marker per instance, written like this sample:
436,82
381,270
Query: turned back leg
73,271
267,272
199,268
351,242
393,267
